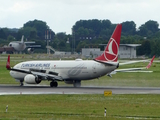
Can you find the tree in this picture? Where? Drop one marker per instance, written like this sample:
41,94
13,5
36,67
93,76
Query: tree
10,38
27,32
92,29
106,24
128,28
40,28
61,35
33,34
149,28
2,34
145,48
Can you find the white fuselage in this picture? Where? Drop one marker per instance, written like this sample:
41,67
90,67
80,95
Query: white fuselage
68,70
18,46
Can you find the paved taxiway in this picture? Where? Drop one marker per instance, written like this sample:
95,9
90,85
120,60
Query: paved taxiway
13,89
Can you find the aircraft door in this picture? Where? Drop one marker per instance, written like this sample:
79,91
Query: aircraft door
54,67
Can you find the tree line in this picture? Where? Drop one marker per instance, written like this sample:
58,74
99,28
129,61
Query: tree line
88,33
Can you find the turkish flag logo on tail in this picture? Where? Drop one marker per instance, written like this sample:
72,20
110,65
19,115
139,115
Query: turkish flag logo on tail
111,51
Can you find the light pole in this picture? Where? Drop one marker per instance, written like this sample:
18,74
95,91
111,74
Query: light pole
73,40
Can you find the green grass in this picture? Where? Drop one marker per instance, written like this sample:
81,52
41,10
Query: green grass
86,107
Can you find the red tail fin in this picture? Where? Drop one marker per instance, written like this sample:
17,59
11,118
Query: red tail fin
111,51
8,63
150,63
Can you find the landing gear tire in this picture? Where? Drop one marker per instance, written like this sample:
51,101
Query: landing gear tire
77,84
53,84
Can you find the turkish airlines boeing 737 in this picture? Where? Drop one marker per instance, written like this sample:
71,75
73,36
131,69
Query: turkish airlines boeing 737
73,71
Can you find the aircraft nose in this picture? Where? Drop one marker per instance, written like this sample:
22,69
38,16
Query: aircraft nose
12,73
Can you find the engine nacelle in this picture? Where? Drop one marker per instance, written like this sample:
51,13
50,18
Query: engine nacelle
69,82
30,50
31,79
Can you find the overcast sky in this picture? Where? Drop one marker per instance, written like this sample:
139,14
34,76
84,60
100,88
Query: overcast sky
61,15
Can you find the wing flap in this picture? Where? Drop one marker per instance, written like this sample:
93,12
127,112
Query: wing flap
47,76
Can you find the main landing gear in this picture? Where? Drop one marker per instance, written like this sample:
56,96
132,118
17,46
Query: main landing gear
21,83
53,84
77,83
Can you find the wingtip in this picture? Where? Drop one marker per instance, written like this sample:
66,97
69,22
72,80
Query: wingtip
150,63
8,63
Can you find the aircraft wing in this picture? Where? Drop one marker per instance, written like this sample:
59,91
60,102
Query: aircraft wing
37,72
134,69
47,76
30,42
34,46
131,62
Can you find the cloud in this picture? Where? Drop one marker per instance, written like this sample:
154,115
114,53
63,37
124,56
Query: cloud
61,15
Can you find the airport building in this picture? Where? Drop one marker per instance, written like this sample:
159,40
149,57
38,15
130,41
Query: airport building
125,51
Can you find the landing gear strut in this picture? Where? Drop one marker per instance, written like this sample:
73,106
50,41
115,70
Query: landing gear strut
53,84
21,83
77,83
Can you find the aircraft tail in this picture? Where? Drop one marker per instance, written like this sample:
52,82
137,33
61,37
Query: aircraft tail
8,63
110,53
22,39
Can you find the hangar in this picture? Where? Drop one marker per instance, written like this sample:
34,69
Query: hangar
125,51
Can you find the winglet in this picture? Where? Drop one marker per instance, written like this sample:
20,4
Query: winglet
150,63
8,63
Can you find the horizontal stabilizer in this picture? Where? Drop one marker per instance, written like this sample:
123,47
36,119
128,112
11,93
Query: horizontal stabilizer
34,46
135,69
30,42
108,63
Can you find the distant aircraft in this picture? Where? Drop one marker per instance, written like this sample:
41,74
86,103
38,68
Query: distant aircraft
21,45
70,71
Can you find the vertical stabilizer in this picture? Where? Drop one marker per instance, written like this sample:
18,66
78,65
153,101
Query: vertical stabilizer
22,41
8,63
111,51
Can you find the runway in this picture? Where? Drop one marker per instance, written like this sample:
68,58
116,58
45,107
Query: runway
15,90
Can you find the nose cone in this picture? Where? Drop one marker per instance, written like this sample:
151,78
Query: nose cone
12,73
17,75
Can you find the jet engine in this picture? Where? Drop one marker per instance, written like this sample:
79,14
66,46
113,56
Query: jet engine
69,82
30,50
31,79
76,83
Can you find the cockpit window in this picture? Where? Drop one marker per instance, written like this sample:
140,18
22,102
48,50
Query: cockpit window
17,66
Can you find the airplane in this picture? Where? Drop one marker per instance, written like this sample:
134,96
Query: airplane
70,71
21,45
